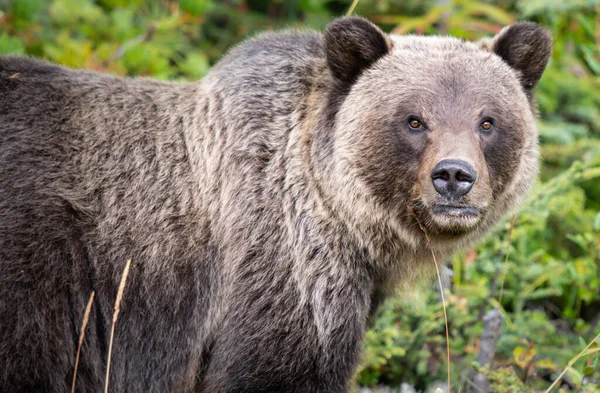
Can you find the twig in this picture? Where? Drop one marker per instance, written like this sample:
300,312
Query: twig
490,296
86,317
504,270
352,7
510,233
114,321
437,270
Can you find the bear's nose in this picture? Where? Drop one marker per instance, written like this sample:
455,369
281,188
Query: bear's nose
453,178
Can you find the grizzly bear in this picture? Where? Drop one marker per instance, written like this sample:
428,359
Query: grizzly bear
266,209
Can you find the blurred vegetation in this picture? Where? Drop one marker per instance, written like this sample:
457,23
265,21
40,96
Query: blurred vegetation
551,297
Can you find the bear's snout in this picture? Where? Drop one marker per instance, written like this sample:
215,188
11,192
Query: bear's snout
453,179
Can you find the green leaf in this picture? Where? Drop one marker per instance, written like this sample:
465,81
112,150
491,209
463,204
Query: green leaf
11,45
582,342
591,59
27,10
72,12
196,7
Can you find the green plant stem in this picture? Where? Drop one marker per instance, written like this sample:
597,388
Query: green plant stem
572,361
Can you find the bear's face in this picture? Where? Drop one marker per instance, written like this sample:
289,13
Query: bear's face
440,126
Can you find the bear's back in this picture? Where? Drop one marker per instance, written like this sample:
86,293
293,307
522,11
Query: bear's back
93,152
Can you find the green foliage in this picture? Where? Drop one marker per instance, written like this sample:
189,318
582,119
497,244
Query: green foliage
504,380
551,293
11,45
168,40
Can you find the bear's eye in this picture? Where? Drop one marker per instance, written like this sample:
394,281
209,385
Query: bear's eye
487,125
415,124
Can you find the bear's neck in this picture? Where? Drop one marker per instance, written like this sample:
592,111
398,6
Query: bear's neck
367,238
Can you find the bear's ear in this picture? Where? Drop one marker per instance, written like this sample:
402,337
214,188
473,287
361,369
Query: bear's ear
526,47
352,44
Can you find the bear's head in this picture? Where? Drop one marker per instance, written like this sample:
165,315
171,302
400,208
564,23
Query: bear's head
434,126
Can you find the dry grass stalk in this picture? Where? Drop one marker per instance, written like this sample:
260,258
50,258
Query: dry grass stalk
352,7
114,320
86,317
437,270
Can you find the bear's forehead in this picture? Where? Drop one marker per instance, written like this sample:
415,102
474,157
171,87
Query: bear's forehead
424,52
431,44
438,64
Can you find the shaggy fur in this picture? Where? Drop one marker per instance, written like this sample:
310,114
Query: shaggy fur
264,207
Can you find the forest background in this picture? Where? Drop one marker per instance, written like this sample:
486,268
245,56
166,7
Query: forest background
542,272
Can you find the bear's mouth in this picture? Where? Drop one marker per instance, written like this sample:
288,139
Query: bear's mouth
455,218
456,210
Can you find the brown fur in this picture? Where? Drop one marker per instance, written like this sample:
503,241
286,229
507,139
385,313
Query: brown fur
264,207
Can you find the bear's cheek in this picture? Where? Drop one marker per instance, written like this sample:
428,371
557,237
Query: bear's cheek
502,152
390,162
